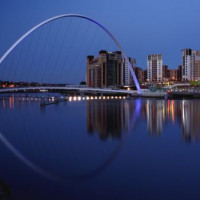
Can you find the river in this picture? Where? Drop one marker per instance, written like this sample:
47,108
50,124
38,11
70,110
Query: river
99,149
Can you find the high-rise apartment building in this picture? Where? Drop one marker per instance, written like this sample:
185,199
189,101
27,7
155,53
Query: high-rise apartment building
197,65
154,68
128,79
191,65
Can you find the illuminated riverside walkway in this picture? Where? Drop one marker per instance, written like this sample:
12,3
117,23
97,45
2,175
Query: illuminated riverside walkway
68,88
74,90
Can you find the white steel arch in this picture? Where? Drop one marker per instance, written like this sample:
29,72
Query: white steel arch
77,16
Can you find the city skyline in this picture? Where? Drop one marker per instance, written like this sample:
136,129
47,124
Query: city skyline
99,99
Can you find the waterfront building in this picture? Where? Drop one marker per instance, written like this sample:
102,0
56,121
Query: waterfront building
191,65
109,69
179,73
140,74
154,68
128,79
197,65
173,74
145,75
166,75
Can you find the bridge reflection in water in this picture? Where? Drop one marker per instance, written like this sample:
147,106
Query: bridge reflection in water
64,150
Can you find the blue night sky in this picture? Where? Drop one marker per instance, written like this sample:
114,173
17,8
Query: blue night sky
141,26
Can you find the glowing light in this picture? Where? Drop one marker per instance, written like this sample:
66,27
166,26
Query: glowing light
87,98
79,98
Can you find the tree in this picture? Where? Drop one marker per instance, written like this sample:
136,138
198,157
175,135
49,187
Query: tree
82,83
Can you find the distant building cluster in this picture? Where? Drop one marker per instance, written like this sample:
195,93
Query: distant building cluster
109,69
188,71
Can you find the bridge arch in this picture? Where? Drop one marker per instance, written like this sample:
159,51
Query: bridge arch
77,16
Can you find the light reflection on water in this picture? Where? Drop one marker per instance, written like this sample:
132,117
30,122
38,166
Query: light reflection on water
111,119
83,140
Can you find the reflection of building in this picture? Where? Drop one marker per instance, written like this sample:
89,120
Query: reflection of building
190,119
108,118
109,69
187,113
154,114
111,118
154,68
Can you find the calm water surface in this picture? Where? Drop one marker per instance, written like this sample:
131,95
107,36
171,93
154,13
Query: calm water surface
99,149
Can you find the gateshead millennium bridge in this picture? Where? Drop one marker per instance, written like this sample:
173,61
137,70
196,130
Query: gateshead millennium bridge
72,88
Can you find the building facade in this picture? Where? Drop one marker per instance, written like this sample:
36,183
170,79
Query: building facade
154,68
197,65
191,65
166,74
128,79
140,74
173,74
180,73
109,69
